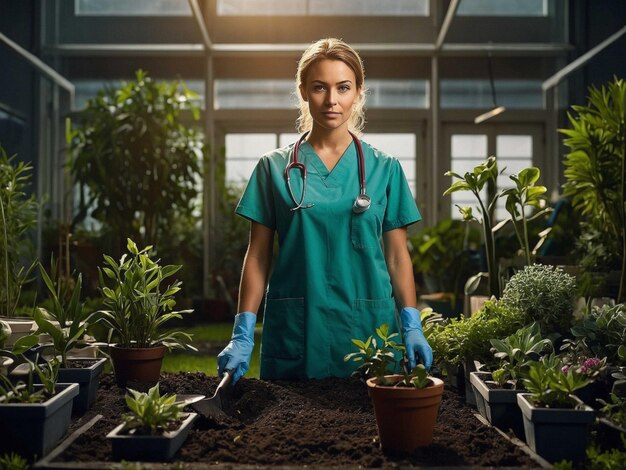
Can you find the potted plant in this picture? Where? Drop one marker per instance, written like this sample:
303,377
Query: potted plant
496,392
154,429
595,172
34,417
545,294
463,342
138,305
65,324
522,196
485,174
556,422
18,214
405,405
159,152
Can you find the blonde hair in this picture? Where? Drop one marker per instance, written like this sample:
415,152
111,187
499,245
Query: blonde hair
331,49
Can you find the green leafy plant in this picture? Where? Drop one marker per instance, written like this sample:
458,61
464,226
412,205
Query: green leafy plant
66,322
521,197
474,181
551,382
26,392
18,214
151,413
467,339
376,361
135,158
602,333
545,294
138,304
613,459
382,361
595,170
615,410
13,461
516,351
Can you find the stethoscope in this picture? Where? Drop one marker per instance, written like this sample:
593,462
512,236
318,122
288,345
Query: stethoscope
362,201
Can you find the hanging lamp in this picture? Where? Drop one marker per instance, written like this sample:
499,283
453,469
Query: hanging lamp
495,110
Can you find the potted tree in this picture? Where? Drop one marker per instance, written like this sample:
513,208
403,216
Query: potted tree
496,392
138,305
154,429
159,152
34,417
405,405
65,324
18,214
556,422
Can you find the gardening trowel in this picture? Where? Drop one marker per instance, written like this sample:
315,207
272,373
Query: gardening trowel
188,399
212,407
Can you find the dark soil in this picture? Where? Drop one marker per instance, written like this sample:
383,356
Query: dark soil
327,422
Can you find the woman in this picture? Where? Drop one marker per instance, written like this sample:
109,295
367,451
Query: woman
332,280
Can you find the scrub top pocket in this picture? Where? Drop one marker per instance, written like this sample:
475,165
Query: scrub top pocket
366,228
283,329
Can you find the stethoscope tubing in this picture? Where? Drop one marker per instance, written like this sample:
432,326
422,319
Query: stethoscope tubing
296,164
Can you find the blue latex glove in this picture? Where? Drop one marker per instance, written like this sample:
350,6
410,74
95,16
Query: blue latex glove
236,355
414,339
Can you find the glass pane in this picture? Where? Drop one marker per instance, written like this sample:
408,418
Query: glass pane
398,94
467,151
254,94
503,8
132,8
369,7
280,94
515,94
401,146
469,146
514,146
243,152
87,89
286,139
323,7
514,153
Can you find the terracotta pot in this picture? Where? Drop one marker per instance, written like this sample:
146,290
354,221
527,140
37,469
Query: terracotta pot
405,416
137,367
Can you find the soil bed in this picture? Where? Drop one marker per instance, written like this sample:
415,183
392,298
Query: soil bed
327,422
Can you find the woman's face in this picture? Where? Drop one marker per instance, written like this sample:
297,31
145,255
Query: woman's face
331,91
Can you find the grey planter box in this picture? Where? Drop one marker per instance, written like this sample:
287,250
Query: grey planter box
35,428
498,405
150,448
87,378
556,433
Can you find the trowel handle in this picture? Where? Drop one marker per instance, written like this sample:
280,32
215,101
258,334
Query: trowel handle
226,379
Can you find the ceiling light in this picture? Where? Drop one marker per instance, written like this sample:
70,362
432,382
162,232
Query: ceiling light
495,110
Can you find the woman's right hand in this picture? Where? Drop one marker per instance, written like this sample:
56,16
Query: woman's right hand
236,355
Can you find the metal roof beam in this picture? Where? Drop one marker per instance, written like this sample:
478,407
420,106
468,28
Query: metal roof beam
41,67
441,37
295,50
582,60
197,14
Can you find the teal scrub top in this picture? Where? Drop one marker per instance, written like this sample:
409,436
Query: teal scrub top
330,283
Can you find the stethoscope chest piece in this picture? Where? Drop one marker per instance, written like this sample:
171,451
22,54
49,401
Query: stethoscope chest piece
361,203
